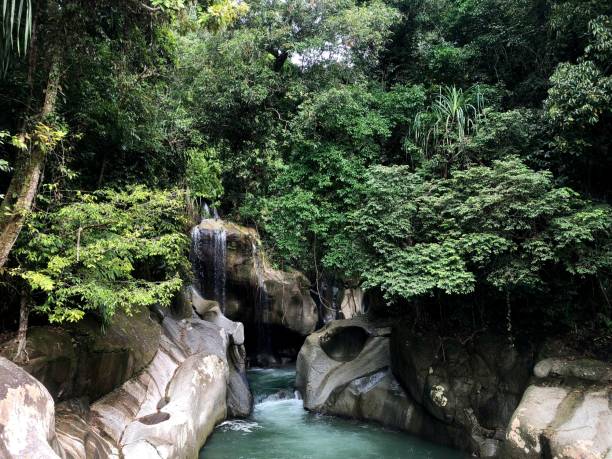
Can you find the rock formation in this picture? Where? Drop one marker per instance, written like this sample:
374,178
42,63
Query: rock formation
82,360
239,398
275,306
342,351
565,413
27,418
458,394
195,377
344,369
472,388
469,394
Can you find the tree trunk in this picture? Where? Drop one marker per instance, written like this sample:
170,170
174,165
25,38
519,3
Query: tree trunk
24,310
509,319
21,192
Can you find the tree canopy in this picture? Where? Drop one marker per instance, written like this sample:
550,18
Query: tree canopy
447,155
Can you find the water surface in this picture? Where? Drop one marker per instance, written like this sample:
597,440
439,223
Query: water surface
280,428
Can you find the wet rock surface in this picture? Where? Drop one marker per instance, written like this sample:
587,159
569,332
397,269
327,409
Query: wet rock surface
379,397
275,306
472,387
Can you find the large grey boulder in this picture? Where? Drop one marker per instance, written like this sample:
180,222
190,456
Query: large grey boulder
565,413
27,418
342,351
210,311
166,411
82,359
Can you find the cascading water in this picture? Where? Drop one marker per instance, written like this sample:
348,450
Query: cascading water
209,260
262,304
219,265
205,211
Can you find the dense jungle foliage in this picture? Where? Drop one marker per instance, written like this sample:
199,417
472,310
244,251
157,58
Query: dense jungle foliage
451,156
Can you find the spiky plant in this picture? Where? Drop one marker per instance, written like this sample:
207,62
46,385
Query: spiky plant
16,29
450,119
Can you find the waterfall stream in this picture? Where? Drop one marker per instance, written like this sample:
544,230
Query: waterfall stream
219,265
262,304
209,261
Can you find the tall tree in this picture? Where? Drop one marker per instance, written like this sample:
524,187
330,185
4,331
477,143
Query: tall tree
33,145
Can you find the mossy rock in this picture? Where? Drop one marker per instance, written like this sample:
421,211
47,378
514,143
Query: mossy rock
113,355
85,360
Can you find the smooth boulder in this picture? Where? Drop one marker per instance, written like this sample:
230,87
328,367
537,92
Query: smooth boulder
166,411
342,351
565,413
379,397
27,416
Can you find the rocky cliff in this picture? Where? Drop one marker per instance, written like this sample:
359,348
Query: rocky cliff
166,409
483,395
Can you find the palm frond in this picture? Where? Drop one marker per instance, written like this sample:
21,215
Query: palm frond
16,30
452,117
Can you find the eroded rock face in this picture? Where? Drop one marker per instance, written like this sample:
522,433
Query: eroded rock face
255,293
344,344
82,360
344,369
78,439
565,413
27,419
379,397
166,411
239,397
472,388
458,394
195,377
194,404
342,351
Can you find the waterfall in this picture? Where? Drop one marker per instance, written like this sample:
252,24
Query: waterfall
205,211
262,304
219,265
209,261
